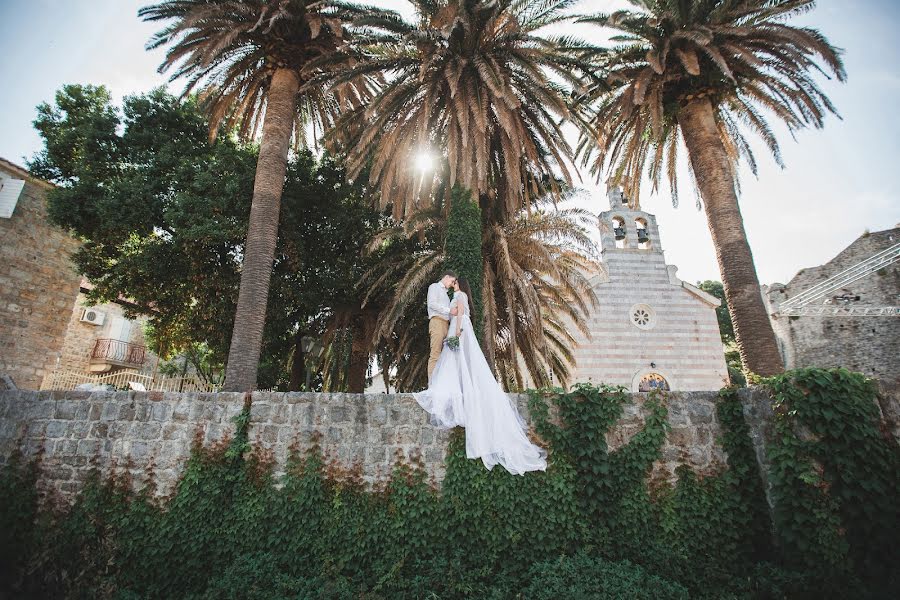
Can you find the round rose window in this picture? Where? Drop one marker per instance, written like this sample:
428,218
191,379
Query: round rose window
642,316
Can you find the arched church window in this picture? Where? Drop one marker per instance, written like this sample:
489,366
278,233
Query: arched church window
653,381
619,231
643,236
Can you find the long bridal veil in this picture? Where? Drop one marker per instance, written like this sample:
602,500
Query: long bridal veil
464,392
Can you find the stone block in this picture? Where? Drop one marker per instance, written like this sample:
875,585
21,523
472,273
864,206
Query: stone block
56,429
143,410
40,410
181,410
65,448
339,414
259,413
681,436
407,434
678,414
174,431
140,451
35,429
698,456
79,429
99,430
66,409
128,412
335,435
214,432
88,448
280,414
378,415
268,434
196,412
146,431
109,412
700,413
704,436
160,411
285,435
57,473
434,456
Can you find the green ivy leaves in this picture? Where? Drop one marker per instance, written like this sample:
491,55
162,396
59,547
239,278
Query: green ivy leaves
590,526
835,476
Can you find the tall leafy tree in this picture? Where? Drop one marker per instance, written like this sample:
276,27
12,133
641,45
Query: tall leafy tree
253,62
707,71
162,214
726,331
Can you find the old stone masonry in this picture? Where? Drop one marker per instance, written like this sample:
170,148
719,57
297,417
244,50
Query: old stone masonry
78,431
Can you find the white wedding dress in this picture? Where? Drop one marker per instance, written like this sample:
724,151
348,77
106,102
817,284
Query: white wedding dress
463,391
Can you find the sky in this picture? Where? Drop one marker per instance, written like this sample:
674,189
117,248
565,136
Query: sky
838,182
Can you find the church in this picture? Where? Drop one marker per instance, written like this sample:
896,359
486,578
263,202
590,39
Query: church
650,330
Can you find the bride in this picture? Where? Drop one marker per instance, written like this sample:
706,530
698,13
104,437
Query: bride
462,391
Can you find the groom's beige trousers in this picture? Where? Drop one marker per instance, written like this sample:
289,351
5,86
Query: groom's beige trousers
437,329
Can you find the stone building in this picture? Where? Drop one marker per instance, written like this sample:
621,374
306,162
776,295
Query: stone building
46,325
651,329
851,313
100,339
38,282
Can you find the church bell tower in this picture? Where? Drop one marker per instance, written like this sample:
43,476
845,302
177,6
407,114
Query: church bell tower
628,230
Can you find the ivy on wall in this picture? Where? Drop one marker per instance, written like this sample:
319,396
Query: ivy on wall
463,247
591,526
835,476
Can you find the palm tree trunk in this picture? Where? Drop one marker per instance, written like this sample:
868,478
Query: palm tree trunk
752,328
363,330
262,234
298,364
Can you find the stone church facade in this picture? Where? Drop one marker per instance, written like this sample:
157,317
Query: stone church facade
650,328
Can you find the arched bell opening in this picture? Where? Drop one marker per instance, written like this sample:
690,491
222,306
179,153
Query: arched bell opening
643,234
618,224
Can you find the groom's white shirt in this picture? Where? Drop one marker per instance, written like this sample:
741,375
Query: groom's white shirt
438,301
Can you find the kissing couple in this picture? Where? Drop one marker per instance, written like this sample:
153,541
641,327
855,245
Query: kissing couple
462,390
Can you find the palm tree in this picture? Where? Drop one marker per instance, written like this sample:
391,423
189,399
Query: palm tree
254,62
474,82
703,69
536,268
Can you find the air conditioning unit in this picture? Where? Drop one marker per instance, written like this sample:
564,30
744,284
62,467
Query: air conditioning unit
93,316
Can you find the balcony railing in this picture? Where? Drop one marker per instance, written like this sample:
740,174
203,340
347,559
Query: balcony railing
118,352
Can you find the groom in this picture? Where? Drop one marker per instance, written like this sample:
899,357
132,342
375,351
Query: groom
439,314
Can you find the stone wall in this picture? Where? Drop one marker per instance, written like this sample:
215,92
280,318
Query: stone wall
870,345
38,284
77,430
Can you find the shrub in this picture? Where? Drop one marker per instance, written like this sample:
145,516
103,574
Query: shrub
582,577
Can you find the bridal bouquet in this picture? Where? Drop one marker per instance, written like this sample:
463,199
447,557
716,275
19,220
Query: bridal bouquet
453,342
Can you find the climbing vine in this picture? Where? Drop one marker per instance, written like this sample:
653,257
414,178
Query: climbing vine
835,475
742,479
591,526
463,247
